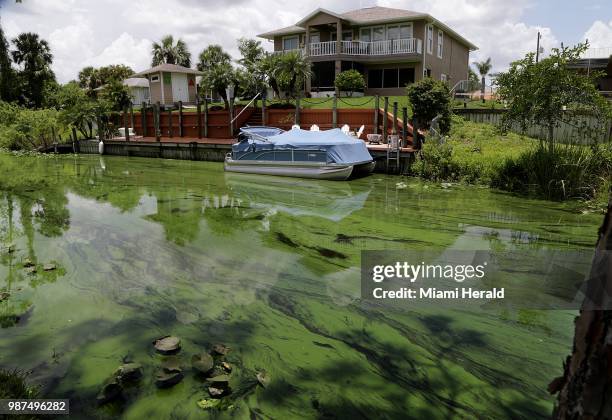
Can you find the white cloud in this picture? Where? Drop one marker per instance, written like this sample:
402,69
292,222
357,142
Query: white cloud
600,34
89,32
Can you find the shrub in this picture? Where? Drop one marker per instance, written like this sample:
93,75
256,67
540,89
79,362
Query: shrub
430,98
350,81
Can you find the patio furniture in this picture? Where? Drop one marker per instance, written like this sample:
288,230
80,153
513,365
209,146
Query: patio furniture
360,131
374,138
314,127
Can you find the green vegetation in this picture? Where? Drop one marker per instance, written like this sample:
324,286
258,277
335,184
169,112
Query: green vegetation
13,385
350,81
480,154
483,67
170,52
430,99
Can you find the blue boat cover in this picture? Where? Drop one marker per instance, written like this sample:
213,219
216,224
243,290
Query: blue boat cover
340,147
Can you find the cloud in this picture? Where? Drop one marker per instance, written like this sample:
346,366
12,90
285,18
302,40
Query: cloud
599,34
118,31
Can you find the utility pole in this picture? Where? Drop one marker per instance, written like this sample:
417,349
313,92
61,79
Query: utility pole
538,48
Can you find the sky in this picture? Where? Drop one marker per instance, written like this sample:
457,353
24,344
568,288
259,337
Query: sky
103,32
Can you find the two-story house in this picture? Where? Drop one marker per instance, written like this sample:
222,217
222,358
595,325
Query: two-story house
390,47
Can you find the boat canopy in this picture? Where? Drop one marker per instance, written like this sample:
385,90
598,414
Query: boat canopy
340,147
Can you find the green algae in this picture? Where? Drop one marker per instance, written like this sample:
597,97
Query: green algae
270,267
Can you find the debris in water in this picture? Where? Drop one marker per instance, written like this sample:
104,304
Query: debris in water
49,267
30,270
208,403
401,185
220,350
203,363
216,392
263,378
226,366
4,296
446,185
167,345
28,263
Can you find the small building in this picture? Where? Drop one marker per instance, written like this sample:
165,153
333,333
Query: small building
170,83
597,59
139,89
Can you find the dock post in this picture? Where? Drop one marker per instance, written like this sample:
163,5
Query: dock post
181,130
385,119
143,117
376,112
394,127
297,110
132,117
126,129
263,111
404,127
205,117
335,112
170,125
156,122
199,113
231,118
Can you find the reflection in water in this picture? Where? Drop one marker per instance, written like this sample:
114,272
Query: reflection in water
269,266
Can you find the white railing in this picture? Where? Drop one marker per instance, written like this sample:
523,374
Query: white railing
597,53
323,48
391,46
297,50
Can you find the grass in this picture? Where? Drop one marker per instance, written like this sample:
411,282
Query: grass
477,153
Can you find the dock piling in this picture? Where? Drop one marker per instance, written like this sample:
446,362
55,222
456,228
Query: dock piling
404,126
394,127
335,112
385,119
143,117
170,124
376,112
205,117
199,116
180,109
156,122
126,128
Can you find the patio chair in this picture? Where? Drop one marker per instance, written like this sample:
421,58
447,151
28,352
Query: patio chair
360,131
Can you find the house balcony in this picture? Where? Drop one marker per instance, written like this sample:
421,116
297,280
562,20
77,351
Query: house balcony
366,49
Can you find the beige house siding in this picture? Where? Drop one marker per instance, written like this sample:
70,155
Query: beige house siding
155,88
455,58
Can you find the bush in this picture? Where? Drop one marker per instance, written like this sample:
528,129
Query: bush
26,128
430,98
350,81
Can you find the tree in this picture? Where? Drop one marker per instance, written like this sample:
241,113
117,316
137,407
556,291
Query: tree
585,385
291,72
75,108
170,52
268,66
350,81
252,76
429,98
7,74
116,94
216,65
473,82
538,93
34,56
483,67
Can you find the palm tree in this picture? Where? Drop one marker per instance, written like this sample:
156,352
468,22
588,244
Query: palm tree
171,53
483,67
34,56
291,71
216,64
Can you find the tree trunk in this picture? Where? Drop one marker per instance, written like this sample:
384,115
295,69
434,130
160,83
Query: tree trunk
585,389
551,138
482,89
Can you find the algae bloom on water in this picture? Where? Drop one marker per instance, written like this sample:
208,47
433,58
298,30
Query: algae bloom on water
146,248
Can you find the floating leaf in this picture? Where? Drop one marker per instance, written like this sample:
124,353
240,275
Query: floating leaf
208,403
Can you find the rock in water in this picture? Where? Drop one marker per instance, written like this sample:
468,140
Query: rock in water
4,296
49,267
220,350
263,378
226,366
216,392
167,345
30,270
203,363
165,379
110,392
171,364
28,263
129,372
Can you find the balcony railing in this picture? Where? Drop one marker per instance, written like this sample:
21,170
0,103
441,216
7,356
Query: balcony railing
375,48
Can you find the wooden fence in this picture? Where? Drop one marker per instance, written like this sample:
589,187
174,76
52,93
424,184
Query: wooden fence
568,131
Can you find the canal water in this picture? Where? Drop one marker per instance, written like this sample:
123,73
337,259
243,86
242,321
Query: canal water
269,267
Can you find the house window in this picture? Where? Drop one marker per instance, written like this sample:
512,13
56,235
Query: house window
429,39
406,76
375,78
290,43
440,43
155,78
406,31
426,72
365,34
347,35
378,33
315,37
393,32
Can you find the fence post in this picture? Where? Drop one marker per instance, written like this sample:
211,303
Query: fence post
143,117
156,122
404,127
297,110
170,125
335,112
205,117
385,119
199,112
132,117
181,131
126,129
376,112
263,110
394,128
